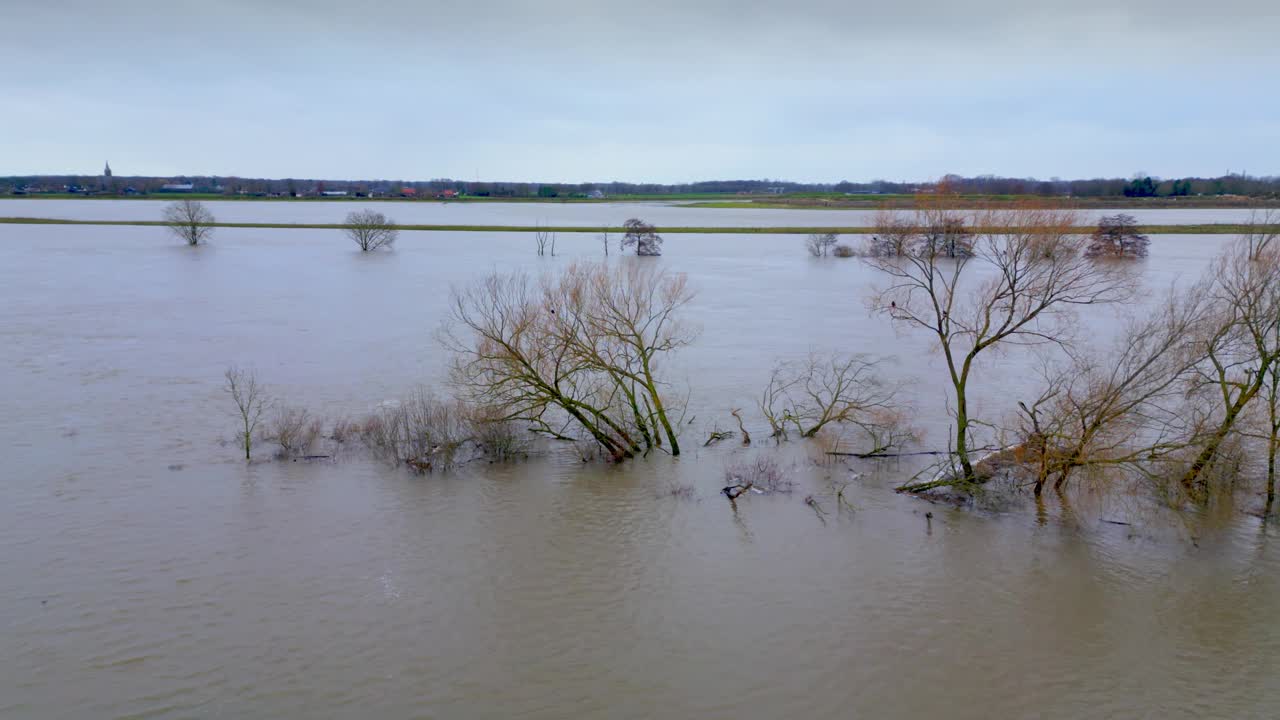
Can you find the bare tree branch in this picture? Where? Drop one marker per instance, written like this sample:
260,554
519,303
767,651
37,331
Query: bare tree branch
370,230
189,221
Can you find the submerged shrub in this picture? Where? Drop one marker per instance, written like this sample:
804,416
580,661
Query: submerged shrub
1117,236
343,430
294,430
820,244
760,473
496,436
578,353
422,431
642,236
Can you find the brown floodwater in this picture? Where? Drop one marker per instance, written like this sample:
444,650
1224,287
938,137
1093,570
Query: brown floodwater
149,573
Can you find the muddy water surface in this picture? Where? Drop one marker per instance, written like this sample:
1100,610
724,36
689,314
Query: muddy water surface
148,573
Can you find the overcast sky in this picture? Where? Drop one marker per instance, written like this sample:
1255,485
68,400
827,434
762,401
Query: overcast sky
649,90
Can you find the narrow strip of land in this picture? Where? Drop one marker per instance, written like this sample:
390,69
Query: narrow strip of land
795,201
1199,229
908,202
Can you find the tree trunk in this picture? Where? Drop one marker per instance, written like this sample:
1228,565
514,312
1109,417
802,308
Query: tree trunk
1210,451
962,432
659,409
1271,471
1193,477
1273,414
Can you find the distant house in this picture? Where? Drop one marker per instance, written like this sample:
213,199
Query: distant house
448,194
596,195
177,187
334,193
408,192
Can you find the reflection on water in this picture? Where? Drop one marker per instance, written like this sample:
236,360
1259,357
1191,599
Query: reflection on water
148,573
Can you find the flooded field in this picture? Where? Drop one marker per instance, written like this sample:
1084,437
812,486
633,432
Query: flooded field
662,214
150,573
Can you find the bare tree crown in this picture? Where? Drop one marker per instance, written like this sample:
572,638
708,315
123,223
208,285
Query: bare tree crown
1014,283
1117,236
370,230
579,352
251,400
189,221
820,244
642,236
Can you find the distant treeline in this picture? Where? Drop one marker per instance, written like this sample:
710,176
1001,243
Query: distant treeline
1232,184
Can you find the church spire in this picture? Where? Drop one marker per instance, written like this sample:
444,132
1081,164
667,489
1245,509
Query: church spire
106,171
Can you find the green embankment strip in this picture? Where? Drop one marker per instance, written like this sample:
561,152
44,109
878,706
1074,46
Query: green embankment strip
1206,229
750,201
906,203
220,197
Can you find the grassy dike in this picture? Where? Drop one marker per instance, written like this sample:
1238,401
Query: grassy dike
906,202
760,201
1204,229
221,197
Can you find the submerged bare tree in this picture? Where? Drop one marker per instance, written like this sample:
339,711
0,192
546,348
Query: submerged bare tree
642,236
620,322
1183,395
1272,429
189,221
759,474
251,402
934,228
544,239
894,235
1117,236
294,430
825,389
820,244
1261,231
945,233
1024,274
579,352
1120,411
1241,344
1260,245
421,431
370,230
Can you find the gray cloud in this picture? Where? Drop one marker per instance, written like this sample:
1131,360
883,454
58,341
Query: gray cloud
643,91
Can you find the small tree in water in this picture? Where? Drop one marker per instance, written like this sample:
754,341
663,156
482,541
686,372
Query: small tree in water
643,236
824,389
935,229
820,244
582,351
189,221
1030,274
1117,236
543,238
370,230
250,398
946,235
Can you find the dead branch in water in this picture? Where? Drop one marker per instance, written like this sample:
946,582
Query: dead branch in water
746,436
716,436
812,502
761,475
874,454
